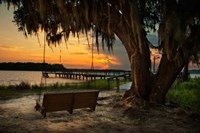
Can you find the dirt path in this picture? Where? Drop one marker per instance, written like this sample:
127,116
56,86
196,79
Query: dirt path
18,115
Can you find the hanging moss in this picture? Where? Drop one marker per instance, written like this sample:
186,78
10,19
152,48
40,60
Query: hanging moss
86,10
109,30
43,9
61,6
94,13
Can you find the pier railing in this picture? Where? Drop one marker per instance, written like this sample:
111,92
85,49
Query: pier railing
87,74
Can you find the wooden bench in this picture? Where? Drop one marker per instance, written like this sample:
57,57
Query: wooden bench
67,101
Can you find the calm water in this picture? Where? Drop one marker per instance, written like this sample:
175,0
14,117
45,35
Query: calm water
194,75
32,77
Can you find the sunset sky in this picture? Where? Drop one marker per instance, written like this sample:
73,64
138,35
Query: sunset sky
15,47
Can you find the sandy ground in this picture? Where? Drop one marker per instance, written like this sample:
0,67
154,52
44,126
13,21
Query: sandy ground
18,115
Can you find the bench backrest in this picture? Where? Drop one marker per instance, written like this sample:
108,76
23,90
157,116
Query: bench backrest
57,101
69,100
85,99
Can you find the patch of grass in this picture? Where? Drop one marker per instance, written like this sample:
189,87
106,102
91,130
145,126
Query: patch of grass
22,89
101,85
186,94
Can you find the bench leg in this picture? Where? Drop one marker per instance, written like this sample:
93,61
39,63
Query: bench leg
93,108
70,111
37,107
44,113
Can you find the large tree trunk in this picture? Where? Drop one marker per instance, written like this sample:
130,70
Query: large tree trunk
153,88
140,66
145,85
167,73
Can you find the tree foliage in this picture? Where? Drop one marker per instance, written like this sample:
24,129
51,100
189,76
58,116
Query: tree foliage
179,28
59,18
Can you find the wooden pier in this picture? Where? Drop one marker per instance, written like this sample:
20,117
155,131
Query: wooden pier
87,74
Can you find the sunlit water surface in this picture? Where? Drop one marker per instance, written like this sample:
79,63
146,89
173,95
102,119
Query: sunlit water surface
31,77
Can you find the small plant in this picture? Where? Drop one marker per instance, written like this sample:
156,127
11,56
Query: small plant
23,86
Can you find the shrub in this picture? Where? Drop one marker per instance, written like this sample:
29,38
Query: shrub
186,94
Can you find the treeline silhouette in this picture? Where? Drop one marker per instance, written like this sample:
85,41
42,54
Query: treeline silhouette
29,66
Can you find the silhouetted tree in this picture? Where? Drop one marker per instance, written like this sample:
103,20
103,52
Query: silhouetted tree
177,22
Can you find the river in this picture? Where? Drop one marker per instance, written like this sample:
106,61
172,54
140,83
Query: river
31,77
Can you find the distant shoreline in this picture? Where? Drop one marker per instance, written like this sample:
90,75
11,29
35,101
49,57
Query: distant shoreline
30,66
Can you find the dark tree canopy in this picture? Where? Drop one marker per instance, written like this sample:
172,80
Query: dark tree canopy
59,18
177,23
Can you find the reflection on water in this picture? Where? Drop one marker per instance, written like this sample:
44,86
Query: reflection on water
31,77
